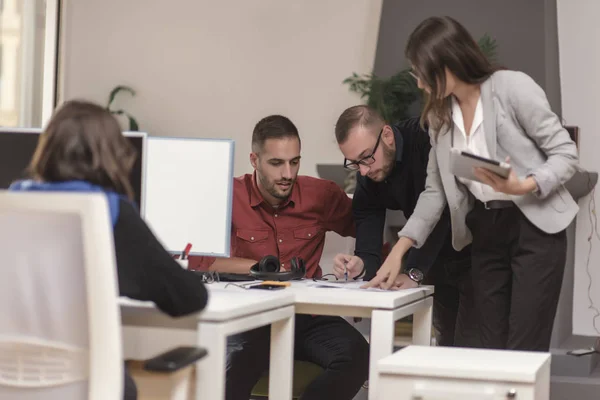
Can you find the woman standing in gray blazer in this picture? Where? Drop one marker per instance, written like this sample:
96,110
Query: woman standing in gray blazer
516,225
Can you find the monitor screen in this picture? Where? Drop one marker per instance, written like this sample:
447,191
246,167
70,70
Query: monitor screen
16,149
18,145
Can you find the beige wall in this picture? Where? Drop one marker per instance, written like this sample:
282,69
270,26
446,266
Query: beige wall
214,68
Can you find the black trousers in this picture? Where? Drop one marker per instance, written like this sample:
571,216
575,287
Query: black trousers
517,277
330,342
455,319
129,389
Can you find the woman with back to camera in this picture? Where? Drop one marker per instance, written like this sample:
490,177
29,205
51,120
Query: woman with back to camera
516,225
83,150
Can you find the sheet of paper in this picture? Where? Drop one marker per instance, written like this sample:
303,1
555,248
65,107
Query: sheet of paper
350,285
323,285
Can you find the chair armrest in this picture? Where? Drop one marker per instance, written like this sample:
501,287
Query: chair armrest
176,359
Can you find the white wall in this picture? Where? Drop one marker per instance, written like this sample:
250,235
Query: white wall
578,36
211,68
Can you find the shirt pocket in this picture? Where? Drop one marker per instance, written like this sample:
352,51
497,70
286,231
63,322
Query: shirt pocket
252,235
251,243
307,233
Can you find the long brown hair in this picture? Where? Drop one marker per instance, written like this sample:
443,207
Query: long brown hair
83,141
439,43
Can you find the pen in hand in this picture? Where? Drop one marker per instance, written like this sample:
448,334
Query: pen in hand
346,270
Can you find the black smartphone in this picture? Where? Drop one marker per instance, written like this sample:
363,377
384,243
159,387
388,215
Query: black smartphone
267,287
175,359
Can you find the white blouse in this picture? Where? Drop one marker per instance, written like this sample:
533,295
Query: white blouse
474,143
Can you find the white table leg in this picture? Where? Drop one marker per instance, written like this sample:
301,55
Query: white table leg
281,362
422,324
210,371
382,330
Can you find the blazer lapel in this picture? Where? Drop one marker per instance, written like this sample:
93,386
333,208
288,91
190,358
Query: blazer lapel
443,158
489,116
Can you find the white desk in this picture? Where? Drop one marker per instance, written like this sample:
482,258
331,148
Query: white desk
383,308
229,312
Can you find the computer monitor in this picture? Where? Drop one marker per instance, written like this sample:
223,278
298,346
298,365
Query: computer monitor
189,189
17,146
16,149
334,172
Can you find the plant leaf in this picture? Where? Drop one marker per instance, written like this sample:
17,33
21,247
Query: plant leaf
116,90
133,125
488,46
393,97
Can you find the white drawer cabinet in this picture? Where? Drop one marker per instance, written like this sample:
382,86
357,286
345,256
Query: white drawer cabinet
449,373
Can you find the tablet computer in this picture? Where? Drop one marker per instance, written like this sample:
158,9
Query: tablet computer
462,164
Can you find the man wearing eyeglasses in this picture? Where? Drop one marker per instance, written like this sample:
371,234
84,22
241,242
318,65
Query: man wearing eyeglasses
391,164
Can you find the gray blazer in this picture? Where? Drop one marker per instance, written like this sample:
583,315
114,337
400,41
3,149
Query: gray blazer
519,123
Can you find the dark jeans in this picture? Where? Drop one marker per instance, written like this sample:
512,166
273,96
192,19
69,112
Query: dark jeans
130,390
517,274
330,342
454,315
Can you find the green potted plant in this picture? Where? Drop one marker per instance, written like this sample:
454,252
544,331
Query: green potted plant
133,125
394,96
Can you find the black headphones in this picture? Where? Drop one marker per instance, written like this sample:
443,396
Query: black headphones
268,269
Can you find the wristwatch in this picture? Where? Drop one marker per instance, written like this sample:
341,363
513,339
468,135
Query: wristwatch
415,275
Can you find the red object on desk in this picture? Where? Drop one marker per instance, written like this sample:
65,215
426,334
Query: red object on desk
186,251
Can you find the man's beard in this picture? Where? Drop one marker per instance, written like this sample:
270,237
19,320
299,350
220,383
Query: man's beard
389,155
272,187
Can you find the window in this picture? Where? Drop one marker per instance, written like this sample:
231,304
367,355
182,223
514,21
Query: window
27,52
0,58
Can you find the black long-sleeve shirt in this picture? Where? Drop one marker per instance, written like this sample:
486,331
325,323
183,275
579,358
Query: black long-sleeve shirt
146,271
399,191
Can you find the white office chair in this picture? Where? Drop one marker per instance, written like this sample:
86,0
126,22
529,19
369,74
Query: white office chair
59,317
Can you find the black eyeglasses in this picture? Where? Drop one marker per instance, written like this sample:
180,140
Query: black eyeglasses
366,160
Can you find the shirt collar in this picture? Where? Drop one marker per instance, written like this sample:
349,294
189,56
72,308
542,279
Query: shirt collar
399,140
257,199
457,116
255,196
